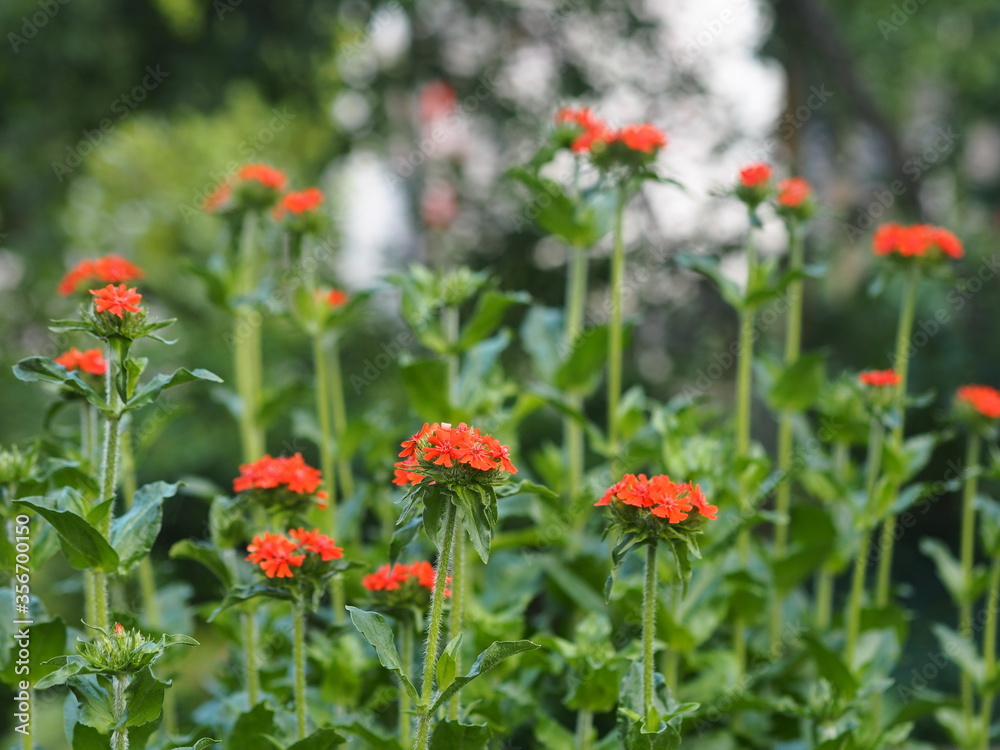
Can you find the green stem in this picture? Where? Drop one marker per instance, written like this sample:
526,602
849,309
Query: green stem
824,598
901,366
968,550
615,336
670,658
450,329
435,624
109,477
584,728
876,437
648,634
989,649
250,657
246,343
458,592
119,735
576,294
786,437
744,382
340,420
299,659
86,419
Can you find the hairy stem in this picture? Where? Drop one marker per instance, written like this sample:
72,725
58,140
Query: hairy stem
340,421
458,592
615,335
989,649
968,550
435,623
405,704
648,634
119,735
786,438
902,366
299,659
576,294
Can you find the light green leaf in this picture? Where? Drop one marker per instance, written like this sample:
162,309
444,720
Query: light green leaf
321,739
159,383
489,312
206,554
798,387
133,534
83,545
494,654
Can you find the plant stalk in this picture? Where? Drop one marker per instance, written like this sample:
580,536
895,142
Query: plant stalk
299,659
458,592
340,420
989,649
405,704
576,295
901,365
968,551
119,735
876,437
648,635
435,624
786,437
615,335
584,729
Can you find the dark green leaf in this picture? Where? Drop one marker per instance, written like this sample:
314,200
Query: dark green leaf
489,312
203,744
239,594
42,369
83,545
451,735
133,534
251,730
541,336
830,666
144,698
48,641
587,356
962,652
377,632
159,383
321,739
206,554
948,569
798,387
426,384
709,267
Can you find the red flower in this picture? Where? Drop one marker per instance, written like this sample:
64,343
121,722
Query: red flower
336,298
437,101
91,361
291,472
218,198
314,541
116,300
793,192
393,578
880,378
595,130
111,269
298,203
646,138
982,398
755,175
439,206
275,555
661,496
264,174
442,445
916,241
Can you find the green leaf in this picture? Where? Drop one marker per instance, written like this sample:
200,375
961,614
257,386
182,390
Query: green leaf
94,696
541,336
948,568
88,738
321,739
42,369
83,545
451,735
447,666
480,516
489,312
989,524
709,267
578,221
961,652
203,744
579,372
144,698
252,728
133,534
830,666
159,383
206,554
798,387
377,632
426,384
239,594
494,654
48,641
66,667
477,365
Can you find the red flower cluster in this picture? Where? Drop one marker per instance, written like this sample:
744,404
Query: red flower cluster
917,240
298,202
91,361
391,578
598,135
755,175
793,192
663,497
117,300
982,398
111,269
276,554
442,445
266,175
880,378
218,198
287,472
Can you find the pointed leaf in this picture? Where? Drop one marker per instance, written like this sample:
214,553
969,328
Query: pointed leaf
799,385
451,735
159,383
494,654
206,554
321,739
377,632
133,534
82,544
489,312
42,369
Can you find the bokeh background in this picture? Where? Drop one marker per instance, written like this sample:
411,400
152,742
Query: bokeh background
118,118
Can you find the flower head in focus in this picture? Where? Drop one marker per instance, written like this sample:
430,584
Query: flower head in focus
287,483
